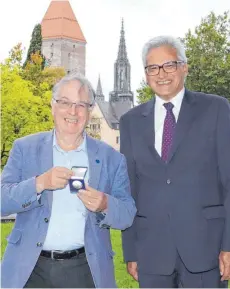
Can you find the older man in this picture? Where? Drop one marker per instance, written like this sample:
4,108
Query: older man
177,149
62,239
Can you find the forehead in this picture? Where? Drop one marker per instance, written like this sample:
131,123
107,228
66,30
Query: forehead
162,54
74,89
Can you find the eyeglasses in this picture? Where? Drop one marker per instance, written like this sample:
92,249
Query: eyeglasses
64,104
168,67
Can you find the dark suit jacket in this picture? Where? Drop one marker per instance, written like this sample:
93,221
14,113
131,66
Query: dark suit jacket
182,206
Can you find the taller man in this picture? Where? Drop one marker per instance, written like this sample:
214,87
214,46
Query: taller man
177,147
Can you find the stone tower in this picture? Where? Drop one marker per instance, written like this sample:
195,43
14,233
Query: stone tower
63,43
122,91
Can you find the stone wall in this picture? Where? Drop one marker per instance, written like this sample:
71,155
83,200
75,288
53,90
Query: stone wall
65,53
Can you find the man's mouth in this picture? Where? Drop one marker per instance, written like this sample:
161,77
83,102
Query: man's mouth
165,82
71,120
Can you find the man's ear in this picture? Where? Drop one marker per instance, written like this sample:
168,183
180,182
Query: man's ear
186,69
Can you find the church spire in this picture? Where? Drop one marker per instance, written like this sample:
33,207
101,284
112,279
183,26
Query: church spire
122,54
122,70
99,93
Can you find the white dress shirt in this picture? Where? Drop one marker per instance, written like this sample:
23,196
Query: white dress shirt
160,114
67,221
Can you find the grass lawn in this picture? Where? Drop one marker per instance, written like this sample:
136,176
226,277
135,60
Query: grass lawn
123,279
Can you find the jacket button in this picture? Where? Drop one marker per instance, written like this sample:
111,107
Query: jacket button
39,244
46,220
168,181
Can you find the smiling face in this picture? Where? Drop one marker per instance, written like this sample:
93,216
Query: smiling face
166,85
71,120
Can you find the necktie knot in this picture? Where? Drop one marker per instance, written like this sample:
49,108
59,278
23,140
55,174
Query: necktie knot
168,106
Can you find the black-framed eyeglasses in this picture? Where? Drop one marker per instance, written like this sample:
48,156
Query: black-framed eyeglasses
168,67
65,104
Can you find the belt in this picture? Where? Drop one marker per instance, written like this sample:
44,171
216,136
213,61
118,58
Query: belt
60,255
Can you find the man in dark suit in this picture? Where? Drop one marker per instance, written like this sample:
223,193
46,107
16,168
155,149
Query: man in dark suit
177,147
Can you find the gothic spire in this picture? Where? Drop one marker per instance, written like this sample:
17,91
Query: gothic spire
122,91
99,89
99,93
122,54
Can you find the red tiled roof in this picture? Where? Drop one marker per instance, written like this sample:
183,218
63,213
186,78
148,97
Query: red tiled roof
60,22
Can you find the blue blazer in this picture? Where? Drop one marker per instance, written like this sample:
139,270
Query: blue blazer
32,156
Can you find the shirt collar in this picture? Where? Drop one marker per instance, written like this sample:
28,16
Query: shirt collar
176,101
82,146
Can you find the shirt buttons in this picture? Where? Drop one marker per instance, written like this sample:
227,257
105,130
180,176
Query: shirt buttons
168,181
46,220
39,244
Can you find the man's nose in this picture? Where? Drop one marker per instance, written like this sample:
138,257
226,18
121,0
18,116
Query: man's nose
162,73
72,109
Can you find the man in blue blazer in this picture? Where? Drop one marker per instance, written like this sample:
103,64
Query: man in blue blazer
62,239
177,147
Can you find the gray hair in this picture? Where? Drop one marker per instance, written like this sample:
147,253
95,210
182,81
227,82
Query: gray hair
72,77
164,41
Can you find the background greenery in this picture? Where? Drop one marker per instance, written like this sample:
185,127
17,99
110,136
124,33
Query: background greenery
122,278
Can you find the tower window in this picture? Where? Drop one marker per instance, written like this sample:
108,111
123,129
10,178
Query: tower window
117,139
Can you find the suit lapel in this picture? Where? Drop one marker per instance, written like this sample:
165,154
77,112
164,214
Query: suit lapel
95,162
46,161
148,125
188,113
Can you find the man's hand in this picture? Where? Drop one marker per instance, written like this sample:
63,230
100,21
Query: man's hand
224,264
94,200
55,178
132,269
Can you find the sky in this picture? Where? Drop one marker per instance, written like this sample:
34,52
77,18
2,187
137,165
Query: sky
100,21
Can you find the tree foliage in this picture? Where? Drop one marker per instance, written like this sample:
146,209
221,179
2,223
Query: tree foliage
34,73
145,93
208,53
35,45
23,112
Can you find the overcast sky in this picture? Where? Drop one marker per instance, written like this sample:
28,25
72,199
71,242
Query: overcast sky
100,21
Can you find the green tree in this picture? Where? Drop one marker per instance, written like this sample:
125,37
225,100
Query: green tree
22,112
145,93
208,52
51,75
35,45
15,56
39,77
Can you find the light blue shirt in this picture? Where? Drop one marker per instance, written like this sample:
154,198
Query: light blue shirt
67,221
